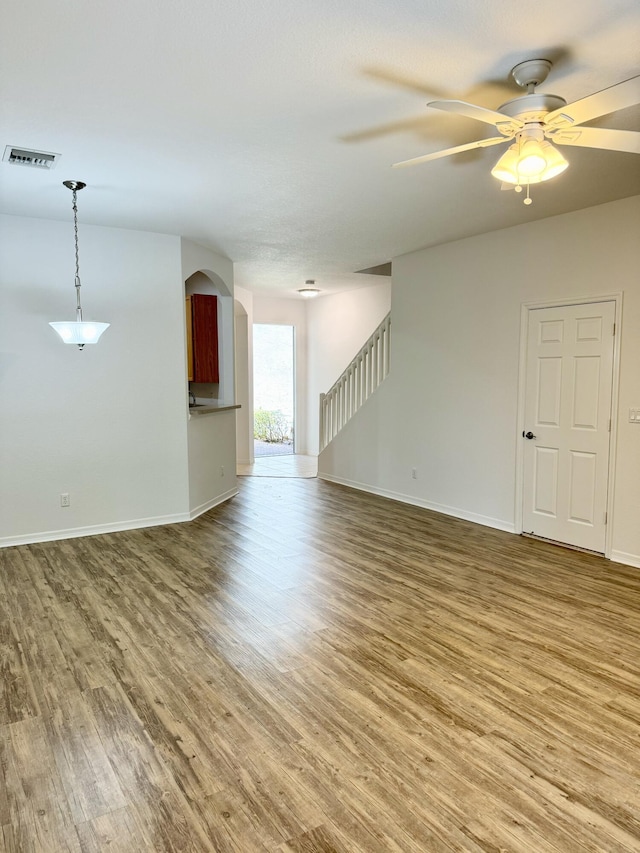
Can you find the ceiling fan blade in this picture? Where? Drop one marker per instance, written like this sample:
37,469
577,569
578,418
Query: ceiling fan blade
598,137
397,78
416,124
617,97
480,143
505,124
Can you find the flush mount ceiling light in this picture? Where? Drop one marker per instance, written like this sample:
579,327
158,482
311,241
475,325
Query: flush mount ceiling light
309,291
78,332
536,117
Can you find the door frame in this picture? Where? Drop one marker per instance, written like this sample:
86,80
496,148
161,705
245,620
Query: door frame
294,374
525,308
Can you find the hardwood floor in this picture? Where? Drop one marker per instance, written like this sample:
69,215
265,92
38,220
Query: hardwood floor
309,668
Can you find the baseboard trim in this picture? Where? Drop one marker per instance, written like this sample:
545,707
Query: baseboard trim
484,520
115,527
632,560
92,530
207,505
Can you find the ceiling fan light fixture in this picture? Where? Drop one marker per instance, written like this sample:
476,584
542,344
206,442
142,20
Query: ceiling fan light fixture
529,120
531,161
556,164
506,169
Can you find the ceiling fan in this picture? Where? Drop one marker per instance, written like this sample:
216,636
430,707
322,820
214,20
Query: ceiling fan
531,120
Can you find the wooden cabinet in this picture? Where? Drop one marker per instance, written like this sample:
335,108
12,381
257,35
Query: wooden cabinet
202,338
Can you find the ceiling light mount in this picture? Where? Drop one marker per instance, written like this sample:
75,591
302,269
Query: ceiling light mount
531,73
309,291
79,332
74,186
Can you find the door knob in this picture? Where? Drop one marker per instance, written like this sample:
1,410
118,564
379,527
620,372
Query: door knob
528,435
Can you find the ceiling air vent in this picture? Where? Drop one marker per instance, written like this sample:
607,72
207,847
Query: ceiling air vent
27,157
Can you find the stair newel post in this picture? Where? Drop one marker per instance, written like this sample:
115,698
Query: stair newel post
387,344
321,425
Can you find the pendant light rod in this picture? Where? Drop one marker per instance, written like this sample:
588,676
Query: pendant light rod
75,187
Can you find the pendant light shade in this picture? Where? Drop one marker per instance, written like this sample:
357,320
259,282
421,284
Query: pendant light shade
79,332
556,164
531,162
506,169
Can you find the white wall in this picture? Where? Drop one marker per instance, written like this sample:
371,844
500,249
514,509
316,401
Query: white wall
244,416
449,406
338,326
108,424
244,395
212,460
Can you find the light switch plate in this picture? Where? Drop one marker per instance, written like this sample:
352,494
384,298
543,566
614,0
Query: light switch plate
634,416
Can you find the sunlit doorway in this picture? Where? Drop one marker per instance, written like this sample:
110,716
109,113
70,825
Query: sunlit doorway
273,389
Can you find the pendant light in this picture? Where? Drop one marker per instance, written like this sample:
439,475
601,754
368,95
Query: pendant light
79,332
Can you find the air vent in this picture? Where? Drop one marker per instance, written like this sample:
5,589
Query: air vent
27,157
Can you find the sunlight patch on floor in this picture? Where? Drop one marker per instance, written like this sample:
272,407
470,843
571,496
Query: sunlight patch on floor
281,466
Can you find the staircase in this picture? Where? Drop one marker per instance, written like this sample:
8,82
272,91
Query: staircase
356,384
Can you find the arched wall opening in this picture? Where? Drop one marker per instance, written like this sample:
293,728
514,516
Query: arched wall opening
210,283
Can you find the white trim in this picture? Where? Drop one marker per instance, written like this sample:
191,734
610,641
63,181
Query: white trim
115,527
92,530
613,436
615,381
628,559
484,520
207,505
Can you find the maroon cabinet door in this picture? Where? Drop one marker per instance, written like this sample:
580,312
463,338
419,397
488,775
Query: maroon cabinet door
204,319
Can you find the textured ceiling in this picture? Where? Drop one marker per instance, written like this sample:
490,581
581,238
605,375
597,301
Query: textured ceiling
266,128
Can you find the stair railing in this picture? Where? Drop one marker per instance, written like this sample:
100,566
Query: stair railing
356,384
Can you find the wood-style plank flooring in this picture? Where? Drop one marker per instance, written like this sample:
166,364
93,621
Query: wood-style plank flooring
309,669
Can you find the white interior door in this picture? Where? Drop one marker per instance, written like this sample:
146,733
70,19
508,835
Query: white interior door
569,378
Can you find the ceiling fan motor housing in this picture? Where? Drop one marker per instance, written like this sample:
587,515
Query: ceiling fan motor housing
534,107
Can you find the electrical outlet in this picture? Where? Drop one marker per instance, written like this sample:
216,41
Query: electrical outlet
414,473
65,500
634,416
222,470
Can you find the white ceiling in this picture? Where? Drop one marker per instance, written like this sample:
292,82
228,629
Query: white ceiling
265,129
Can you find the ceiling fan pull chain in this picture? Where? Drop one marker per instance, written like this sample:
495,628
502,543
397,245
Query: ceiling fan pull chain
528,199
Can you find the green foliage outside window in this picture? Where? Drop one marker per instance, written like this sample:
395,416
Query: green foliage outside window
272,426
